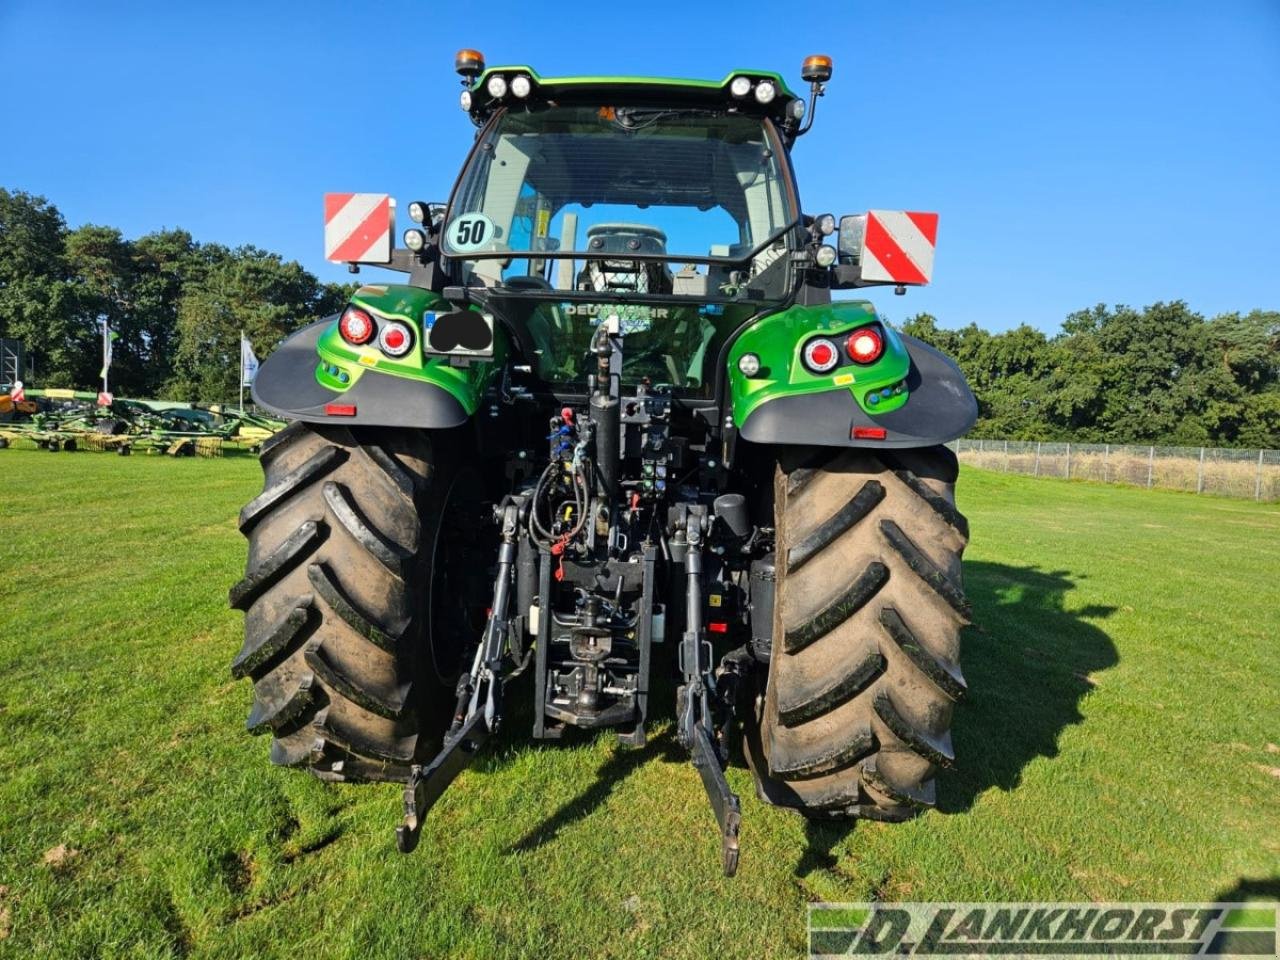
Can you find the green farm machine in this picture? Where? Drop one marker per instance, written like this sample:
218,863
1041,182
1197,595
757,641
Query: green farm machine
611,429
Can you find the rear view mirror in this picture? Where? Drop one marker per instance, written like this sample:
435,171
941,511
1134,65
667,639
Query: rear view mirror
886,247
849,244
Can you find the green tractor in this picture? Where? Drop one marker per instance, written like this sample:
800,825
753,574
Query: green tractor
613,430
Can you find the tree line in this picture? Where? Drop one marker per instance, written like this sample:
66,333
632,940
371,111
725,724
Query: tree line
177,305
1161,374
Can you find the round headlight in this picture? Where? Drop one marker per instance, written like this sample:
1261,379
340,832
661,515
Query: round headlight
395,340
465,99
521,86
748,364
765,91
418,211
825,255
795,110
415,240
497,86
740,86
826,224
820,355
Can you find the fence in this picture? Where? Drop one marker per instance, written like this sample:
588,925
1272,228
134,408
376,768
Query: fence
1254,474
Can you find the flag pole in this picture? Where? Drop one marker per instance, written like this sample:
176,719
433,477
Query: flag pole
105,345
242,373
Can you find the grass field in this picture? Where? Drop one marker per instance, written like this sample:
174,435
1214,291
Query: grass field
1119,742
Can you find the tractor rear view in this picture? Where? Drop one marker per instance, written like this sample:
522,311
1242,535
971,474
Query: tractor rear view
612,426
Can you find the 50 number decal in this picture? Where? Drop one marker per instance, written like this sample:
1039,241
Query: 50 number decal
471,231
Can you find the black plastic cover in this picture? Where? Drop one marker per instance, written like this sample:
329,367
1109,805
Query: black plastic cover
941,407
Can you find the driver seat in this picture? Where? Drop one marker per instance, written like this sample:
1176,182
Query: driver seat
611,272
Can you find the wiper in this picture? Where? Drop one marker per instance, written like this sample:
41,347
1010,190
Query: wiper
638,118
769,241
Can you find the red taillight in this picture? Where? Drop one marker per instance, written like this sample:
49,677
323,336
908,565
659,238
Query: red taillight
395,339
865,345
820,355
869,433
718,626
356,326
340,409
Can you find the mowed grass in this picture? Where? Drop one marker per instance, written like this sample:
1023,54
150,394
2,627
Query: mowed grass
1118,743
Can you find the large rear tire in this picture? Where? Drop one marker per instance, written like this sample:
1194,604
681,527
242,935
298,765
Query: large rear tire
864,669
351,661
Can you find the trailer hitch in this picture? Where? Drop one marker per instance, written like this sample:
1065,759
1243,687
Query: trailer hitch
479,709
699,695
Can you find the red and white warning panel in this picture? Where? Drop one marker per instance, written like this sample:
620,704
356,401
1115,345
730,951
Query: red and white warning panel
897,246
358,227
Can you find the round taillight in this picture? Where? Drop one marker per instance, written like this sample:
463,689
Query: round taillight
865,345
395,339
356,326
820,355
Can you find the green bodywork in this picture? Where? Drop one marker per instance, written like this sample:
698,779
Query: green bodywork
342,365
778,339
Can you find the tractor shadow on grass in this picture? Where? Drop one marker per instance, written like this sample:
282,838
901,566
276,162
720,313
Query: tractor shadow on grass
612,772
1028,662
1250,889
661,745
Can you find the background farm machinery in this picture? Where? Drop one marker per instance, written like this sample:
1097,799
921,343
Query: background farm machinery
58,420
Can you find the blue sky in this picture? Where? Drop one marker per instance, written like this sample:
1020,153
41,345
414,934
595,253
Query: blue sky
1077,152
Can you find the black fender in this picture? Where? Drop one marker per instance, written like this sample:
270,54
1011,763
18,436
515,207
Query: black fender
940,407
286,386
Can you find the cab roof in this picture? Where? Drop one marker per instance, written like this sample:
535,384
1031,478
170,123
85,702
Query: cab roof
672,90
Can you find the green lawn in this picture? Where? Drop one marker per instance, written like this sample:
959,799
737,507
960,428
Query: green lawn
1118,743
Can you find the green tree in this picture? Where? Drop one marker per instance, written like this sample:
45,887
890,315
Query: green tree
39,303
251,291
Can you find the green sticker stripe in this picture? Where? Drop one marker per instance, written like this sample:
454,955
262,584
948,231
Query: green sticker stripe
836,918
1258,918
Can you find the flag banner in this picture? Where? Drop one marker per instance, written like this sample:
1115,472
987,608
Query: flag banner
110,337
248,362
